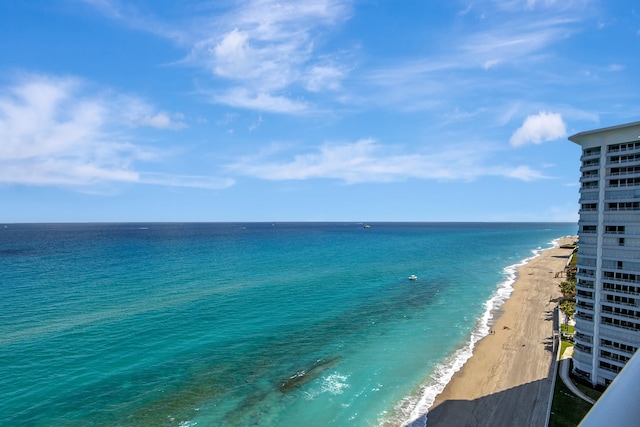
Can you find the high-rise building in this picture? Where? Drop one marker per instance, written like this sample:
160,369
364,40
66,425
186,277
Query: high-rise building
608,277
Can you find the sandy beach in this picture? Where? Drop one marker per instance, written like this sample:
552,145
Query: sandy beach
507,381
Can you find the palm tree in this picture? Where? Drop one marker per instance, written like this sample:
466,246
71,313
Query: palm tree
568,289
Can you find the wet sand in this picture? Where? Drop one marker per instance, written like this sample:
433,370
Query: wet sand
507,381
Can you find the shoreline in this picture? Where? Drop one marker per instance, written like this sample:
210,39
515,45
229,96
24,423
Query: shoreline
509,368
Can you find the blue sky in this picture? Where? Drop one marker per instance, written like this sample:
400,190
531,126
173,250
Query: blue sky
315,110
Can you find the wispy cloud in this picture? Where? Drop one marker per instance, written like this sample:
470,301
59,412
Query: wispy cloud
58,131
259,50
139,20
495,55
263,101
369,161
265,47
271,55
512,40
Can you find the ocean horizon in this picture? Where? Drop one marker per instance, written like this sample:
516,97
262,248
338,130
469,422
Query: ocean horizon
237,324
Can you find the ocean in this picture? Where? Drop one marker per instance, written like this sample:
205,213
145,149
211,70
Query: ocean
241,324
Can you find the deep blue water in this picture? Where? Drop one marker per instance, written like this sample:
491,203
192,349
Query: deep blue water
283,324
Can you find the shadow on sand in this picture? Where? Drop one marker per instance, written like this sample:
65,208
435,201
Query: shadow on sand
523,405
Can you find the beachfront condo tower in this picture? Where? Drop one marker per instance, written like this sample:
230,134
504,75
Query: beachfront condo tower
608,277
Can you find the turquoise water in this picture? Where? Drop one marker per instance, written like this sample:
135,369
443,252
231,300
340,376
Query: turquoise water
282,324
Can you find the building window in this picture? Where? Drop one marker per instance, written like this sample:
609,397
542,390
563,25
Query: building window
614,229
621,300
618,346
625,277
583,348
621,311
622,171
623,147
629,158
620,323
610,367
623,206
624,182
632,290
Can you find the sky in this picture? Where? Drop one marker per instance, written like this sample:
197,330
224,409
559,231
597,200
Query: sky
314,110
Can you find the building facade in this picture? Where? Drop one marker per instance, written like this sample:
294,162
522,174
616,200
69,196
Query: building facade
608,277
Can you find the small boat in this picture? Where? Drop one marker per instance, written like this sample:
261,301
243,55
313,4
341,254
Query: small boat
367,226
413,277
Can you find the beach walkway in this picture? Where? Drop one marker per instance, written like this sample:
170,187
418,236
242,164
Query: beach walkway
565,364
507,382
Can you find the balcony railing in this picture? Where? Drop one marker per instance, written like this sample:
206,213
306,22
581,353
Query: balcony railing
622,161
623,148
617,277
616,349
583,338
584,285
584,317
619,303
629,326
621,208
585,306
614,369
615,359
583,348
625,315
614,289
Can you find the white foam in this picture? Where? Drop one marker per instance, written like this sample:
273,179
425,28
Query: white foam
413,409
334,383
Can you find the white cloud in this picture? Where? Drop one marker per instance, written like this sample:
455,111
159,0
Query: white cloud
615,67
513,43
490,64
163,120
264,54
127,13
539,128
233,56
524,173
53,131
368,161
264,47
243,98
321,77
192,181
135,112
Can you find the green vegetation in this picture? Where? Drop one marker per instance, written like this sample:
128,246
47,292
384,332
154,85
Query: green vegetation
568,307
567,409
586,388
573,261
568,288
567,329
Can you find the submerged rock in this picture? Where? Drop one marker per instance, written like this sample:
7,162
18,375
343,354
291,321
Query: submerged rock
304,376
